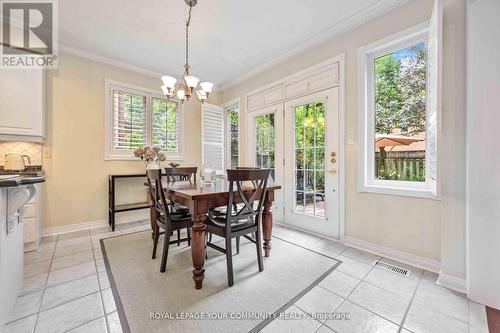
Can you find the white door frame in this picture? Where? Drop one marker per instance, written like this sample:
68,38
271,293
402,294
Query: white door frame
341,166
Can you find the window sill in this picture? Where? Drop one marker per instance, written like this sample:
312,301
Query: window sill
399,191
133,158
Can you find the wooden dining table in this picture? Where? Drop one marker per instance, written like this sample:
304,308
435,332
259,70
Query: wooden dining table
199,198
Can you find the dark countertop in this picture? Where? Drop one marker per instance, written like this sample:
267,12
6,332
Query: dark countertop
24,178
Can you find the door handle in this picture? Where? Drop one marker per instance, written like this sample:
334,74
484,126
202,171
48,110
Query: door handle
332,171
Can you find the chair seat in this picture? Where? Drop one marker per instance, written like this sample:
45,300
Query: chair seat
175,219
220,223
180,209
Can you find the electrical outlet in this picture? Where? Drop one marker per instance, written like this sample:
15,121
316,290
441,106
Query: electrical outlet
47,152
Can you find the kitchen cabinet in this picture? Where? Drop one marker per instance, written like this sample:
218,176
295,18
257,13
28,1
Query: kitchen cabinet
32,220
22,105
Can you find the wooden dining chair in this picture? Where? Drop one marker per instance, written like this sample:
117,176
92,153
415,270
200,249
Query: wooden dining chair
246,219
165,219
180,174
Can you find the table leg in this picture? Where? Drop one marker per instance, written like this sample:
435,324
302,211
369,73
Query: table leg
267,227
198,249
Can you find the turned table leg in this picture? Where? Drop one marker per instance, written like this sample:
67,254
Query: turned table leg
198,249
267,226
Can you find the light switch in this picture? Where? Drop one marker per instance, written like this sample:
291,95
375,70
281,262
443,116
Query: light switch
47,152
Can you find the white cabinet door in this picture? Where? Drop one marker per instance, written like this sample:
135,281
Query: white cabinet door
22,102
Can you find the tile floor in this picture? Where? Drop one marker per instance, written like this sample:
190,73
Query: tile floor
66,289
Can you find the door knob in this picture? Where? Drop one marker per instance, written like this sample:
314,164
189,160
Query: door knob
332,171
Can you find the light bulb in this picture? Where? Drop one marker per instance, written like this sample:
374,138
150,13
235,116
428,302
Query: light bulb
181,95
202,95
169,82
191,81
207,87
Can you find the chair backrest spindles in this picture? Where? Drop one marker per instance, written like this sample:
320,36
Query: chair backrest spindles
237,178
157,194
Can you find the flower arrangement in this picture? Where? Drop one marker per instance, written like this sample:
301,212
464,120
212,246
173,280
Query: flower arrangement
150,155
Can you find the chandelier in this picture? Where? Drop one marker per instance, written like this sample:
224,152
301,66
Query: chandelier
187,85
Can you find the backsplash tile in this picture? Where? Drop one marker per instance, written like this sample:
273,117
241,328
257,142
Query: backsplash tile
33,150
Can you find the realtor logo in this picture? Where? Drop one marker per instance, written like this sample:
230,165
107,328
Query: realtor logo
29,34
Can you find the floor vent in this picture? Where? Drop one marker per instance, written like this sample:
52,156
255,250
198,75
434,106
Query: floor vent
392,268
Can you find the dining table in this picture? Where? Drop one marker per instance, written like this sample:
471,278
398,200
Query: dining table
199,197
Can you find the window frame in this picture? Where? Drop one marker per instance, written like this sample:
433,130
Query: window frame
366,89
227,107
111,154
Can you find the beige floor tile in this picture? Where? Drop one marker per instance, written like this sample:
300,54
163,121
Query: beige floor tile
380,301
70,315
72,259
26,305
359,255
95,326
421,319
114,324
69,291
37,268
319,301
24,325
360,321
353,267
34,283
402,285
108,301
340,283
71,273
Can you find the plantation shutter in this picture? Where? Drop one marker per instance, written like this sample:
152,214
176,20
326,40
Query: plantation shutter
213,136
129,120
434,81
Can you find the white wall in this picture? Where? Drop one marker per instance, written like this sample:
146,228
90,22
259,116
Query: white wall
483,152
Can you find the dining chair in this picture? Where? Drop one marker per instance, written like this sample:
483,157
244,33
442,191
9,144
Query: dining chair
222,210
165,219
245,220
180,174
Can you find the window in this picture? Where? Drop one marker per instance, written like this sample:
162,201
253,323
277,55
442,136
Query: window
397,123
232,114
137,117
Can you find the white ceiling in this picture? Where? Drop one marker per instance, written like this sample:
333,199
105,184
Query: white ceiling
229,38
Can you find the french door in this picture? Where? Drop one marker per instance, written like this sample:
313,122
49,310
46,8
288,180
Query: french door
310,162
265,140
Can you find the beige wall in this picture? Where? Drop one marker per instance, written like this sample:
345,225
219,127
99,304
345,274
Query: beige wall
76,190
412,225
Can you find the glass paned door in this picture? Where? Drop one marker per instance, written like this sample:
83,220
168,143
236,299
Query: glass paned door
265,148
265,142
310,158
311,142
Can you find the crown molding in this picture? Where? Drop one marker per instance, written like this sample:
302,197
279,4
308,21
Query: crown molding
108,61
338,29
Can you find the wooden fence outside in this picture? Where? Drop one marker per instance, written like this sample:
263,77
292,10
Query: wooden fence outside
406,167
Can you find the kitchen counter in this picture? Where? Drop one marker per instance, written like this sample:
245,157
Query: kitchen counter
22,179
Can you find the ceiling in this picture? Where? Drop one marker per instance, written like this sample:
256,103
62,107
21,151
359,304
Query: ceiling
229,38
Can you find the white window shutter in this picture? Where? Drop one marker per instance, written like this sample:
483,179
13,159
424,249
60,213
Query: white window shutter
434,81
212,136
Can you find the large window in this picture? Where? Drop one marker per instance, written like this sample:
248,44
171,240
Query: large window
137,117
396,117
232,112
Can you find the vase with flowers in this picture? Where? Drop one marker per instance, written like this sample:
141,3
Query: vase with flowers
152,156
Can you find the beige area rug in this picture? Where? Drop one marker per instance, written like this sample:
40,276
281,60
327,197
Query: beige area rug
141,291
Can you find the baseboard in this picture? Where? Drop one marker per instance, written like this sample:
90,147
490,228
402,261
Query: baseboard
123,218
452,282
398,255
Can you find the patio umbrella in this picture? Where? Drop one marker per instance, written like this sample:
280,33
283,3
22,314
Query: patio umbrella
391,140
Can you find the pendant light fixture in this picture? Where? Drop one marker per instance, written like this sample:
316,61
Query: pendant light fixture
188,83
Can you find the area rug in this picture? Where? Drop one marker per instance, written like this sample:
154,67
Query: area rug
150,301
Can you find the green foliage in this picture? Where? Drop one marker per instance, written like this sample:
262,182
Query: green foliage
165,124
400,91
